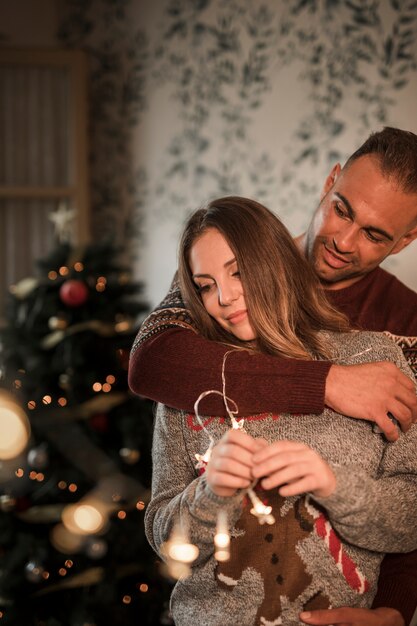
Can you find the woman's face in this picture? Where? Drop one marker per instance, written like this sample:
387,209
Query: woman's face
216,274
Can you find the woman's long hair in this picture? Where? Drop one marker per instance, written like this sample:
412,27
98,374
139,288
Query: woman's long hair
286,304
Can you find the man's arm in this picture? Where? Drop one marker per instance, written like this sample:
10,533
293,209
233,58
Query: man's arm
176,365
397,584
170,363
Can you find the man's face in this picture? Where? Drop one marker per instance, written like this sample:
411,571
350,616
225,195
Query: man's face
362,218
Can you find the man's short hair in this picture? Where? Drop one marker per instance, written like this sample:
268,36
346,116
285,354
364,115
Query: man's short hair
396,151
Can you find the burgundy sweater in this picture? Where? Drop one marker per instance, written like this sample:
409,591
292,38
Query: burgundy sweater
175,366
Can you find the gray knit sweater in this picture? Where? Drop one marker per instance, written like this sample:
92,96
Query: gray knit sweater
321,552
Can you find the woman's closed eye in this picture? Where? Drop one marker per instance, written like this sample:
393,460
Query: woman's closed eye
204,288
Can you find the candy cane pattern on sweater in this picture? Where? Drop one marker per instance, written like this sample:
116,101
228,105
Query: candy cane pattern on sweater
351,573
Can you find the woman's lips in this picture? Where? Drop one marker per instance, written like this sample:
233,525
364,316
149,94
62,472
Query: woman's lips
332,259
238,316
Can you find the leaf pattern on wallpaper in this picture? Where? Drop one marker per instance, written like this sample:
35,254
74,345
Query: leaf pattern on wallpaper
118,56
357,66
219,63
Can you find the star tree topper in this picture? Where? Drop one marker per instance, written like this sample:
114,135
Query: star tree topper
62,219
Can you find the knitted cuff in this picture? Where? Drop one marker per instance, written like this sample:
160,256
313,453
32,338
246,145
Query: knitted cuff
207,504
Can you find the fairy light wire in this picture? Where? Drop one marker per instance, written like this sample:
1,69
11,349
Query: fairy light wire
260,510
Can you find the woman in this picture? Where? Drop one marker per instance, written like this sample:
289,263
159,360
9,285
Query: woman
340,494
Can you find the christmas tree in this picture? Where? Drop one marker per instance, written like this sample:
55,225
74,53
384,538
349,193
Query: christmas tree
75,460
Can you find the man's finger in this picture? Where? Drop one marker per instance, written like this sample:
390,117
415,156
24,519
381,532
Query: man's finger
388,427
330,617
345,616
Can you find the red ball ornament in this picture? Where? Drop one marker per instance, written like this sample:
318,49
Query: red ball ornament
73,293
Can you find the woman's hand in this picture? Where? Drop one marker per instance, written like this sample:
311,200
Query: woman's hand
231,462
295,468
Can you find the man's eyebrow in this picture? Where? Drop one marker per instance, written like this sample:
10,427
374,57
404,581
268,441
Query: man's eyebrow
352,215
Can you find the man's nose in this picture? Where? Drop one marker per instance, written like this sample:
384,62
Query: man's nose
344,241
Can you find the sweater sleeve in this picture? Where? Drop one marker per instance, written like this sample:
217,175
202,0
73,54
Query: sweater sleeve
176,365
378,513
397,584
178,494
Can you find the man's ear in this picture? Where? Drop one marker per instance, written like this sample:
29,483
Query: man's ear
404,241
330,180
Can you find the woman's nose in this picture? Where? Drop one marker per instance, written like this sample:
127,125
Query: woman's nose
228,294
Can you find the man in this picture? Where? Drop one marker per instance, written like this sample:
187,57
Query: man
368,210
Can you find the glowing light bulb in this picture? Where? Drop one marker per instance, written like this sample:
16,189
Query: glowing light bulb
88,519
83,518
178,547
183,552
14,428
222,538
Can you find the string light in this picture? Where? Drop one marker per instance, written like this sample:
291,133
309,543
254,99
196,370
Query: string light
78,266
83,518
14,428
122,325
52,275
31,405
64,271
222,538
127,599
143,588
101,283
47,399
259,509
180,549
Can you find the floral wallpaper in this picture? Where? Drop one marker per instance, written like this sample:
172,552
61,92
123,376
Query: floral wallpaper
192,99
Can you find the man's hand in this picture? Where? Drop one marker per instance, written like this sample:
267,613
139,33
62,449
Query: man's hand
354,617
370,391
